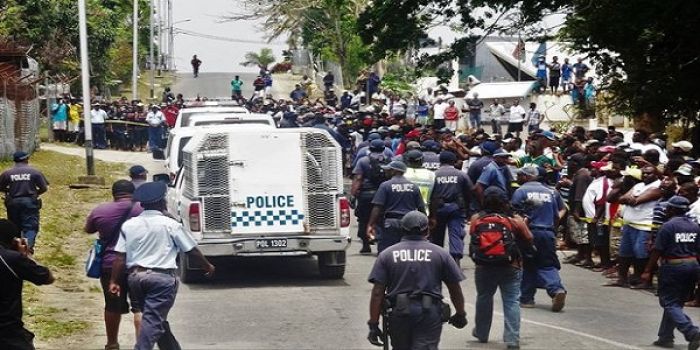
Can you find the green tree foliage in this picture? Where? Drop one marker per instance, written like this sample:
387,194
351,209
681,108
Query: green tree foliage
262,59
51,28
646,51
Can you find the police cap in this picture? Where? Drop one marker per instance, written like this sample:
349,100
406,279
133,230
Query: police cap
448,157
376,146
395,165
374,136
678,202
529,171
413,156
20,156
150,192
137,170
414,222
431,145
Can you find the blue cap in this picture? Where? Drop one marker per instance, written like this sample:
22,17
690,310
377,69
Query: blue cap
376,146
529,170
374,136
489,146
447,157
395,165
501,153
150,192
20,156
431,145
678,202
137,170
414,222
549,135
413,155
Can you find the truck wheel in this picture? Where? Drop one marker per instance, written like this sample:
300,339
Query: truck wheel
331,265
186,274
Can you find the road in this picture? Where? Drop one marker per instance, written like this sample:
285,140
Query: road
213,85
283,304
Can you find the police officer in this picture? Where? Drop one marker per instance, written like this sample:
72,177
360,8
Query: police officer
677,245
452,194
138,175
22,186
542,209
368,175
431,159
424,178
394,198
147,247
411,274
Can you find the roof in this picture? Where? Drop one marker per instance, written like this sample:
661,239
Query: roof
502,90
505,51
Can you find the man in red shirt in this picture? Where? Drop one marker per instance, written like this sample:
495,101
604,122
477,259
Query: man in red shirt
451,116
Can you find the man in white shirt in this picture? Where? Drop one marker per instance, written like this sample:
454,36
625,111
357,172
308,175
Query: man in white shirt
496,112
516,118
155,120
439,113
640,141
97,119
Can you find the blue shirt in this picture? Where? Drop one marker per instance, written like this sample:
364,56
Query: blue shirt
153,240
364,151
453,186
678,238
431,160
399,196
538,203
492,175
364,169
566,71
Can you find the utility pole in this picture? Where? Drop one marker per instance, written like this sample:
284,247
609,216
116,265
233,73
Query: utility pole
161,14
85,73
171,36
135,54
150,49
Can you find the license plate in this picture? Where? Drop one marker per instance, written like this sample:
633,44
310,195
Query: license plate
271,243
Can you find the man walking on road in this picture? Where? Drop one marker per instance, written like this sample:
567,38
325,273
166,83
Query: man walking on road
367,176
147,248
22,186
411,274
196,62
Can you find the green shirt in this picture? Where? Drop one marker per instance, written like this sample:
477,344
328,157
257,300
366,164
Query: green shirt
236,85
539,161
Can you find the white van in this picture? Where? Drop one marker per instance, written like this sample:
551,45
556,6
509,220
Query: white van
183,117
257,191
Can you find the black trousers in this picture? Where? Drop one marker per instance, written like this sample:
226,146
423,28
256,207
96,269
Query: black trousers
17,339
419,329
362,212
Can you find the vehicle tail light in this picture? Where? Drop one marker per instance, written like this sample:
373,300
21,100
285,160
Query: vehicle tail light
344,212
172,178
194,217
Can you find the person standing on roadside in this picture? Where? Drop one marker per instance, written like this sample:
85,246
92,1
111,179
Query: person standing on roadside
195,62
504,274
409,275
496,112
97,120
236,88
155,120
22,186
474,107
147,249
106,219
16,266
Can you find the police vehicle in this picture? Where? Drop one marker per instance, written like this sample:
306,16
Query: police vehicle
183,117
260,191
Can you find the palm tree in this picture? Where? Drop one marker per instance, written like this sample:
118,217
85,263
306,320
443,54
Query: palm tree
262,59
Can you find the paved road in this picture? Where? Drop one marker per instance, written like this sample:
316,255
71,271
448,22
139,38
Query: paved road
282,304
213,85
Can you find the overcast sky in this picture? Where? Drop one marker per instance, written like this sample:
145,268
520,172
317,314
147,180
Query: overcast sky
216,55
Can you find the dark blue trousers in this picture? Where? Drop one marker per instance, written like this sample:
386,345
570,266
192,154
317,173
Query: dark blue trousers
24,213
676,283
451,218
542,271
420,329
154,293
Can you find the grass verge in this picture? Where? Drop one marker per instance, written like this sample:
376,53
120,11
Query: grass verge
59,311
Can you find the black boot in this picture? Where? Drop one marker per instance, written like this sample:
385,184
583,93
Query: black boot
365,248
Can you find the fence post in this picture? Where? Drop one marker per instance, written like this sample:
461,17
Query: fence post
49,123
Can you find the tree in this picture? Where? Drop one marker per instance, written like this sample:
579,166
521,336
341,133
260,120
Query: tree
646,52
262,59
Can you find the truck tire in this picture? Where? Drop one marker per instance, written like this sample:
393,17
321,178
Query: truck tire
186,274
331,265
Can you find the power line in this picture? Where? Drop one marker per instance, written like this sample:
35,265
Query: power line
221,38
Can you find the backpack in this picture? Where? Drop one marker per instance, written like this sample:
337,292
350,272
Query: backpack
492,241
376,174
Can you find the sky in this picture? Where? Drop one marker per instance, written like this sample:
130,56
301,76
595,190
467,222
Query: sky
216,55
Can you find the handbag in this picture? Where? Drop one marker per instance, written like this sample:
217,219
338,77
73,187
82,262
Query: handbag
93,263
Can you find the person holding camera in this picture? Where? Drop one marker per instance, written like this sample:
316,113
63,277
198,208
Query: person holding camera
16,266
409,275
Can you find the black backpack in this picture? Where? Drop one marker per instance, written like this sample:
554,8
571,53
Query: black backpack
492,241
376,174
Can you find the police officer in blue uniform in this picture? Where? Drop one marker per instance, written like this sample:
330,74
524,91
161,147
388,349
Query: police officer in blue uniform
677,246
394,198
367,176
147,248
431,159
22,185
449,205
542,209
409,275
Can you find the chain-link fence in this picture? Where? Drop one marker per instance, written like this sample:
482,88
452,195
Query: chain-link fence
19,117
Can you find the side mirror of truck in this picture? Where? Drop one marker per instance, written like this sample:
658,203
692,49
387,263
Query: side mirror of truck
158,154
162,178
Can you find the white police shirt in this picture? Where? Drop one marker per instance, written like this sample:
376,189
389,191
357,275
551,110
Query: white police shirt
152,240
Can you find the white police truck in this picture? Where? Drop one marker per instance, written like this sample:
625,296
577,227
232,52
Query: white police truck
258,191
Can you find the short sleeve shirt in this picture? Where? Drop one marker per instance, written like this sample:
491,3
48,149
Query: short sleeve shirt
22,181
475,106
415,266
452,186
153,240
399,196
540,204
492,175
678,238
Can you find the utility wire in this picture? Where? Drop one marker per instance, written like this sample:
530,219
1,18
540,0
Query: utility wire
221,38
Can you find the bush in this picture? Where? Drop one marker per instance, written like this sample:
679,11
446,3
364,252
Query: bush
282,67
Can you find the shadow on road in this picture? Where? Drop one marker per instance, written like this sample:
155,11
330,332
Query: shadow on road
267,272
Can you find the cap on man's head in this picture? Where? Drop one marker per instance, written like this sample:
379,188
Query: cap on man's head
121,187
376,146
684,145
489,146
633,172
395,165
495,191
678,202
448,157
529,171
431,145
394,128
150,192
414,222
137,170
684,169
20,156
374,136
413,156
501,153
412,145
591,142
549,135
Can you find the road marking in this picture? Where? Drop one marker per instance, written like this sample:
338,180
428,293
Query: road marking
572,331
